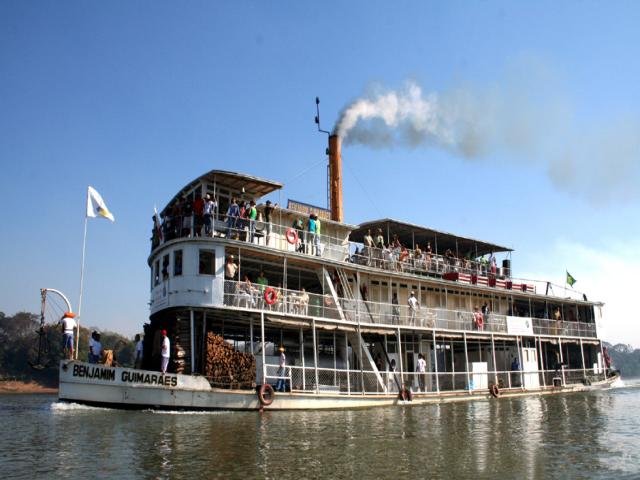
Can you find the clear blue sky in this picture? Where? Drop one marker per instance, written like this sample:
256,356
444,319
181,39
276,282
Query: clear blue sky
138,98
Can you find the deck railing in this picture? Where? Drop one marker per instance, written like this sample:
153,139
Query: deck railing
298,302
358,382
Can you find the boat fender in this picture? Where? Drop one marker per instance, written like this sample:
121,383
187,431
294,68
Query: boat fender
405,394
270,296
494,390
265,394
292,236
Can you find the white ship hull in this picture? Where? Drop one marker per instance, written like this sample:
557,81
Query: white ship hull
128,388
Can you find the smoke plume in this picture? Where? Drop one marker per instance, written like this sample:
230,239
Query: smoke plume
524,118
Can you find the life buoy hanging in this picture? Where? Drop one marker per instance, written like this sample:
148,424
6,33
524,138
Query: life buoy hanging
292,236
494,390
265,394
270,296
479,320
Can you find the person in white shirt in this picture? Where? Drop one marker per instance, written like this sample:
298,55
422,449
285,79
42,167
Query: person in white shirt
414,306
139,348
68,324
421,369
165,352
282,371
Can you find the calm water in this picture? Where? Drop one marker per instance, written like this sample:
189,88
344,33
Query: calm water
592,435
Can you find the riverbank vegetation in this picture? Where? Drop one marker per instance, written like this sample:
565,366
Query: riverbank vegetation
19,345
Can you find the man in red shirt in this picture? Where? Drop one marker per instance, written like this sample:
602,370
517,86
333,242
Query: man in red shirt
198,213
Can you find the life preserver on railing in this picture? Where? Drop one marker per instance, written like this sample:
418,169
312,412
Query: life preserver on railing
494,390
405,394
270,296
265,394
292,236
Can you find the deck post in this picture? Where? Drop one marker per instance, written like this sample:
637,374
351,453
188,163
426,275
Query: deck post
493,355
346,356
520,374
204,340
192,339
466,360
335,362
400,358
435,356
584,369
604,364
264,358
561,361
315,354
304,371
250,333
541,363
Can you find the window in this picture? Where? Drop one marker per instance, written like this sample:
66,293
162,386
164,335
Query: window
165,267
177,263
207,264
156,272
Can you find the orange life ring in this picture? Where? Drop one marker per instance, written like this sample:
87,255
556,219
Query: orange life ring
270,296
265,394
494,390
479,319
292,236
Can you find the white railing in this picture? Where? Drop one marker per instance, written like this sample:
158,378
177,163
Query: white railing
298,302
357,382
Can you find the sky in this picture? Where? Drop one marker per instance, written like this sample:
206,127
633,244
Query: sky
511,122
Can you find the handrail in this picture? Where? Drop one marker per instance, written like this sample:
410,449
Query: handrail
379,314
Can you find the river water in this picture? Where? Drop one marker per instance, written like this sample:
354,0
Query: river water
580,435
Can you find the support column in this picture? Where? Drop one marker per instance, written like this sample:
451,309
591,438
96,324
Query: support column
315,353
466,360
495,366
541,362
584,369
304,371
192,338
264,359
346,356
435,356
400,358
561,360
519,346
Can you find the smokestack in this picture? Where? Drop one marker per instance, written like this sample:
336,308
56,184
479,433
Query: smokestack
335,169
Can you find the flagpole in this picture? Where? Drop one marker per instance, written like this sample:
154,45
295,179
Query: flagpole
84,243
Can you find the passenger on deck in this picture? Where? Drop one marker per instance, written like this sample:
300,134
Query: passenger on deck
395,309
252,216
414,306
230,270
233,212
427,253
246,292
368,246
187,216
421,369
268,213
300,303
165,352
198,215
450,259
478,319
210,206
311,228
139,349
299,227
418,258
282,371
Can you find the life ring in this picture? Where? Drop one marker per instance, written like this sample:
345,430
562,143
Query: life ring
479,320
270,296
265,394
494,390
292,236
405,394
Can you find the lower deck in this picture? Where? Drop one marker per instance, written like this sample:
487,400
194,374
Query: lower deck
325,357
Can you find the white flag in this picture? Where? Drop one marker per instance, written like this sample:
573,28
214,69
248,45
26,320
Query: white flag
96,206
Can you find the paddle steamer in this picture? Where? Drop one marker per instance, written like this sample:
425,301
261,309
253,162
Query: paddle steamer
342,310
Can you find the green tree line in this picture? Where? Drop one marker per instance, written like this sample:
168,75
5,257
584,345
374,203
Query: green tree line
19,340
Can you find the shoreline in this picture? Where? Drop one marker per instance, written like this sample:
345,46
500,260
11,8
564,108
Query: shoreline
19,387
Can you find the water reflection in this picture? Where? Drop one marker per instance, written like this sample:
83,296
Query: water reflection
565,436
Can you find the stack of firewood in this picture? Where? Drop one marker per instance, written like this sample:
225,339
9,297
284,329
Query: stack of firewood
226,367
